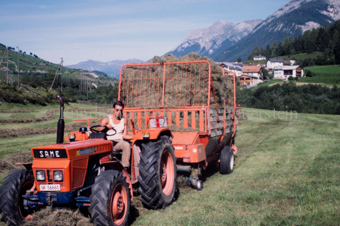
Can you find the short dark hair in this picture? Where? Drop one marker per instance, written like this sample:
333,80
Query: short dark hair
119,103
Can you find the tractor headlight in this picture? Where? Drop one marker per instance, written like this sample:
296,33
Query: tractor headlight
40,175
58,175
146,135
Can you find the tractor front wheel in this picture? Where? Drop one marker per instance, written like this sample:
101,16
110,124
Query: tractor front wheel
13,188
110,199
157,173
227,159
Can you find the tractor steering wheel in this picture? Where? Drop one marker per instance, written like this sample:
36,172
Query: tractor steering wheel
94,130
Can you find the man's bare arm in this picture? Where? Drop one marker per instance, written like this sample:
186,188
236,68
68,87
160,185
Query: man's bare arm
125,135
105,122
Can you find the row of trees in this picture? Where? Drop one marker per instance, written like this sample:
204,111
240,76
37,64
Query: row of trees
325,40
73,89
25,94
13,49
289,97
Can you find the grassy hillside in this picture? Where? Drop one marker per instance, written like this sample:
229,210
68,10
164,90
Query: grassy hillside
31,68
302,56
286,173
329,74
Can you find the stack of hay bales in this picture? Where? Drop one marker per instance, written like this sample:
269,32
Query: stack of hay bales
143,85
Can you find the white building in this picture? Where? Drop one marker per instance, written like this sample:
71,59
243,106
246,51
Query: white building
259,57
227,66
284,72
254,70
274,62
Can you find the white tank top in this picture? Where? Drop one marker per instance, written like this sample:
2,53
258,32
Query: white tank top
118,127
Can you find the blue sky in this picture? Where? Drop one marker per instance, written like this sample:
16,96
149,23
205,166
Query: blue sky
106,30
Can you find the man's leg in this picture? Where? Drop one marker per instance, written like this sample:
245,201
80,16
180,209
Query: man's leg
126,148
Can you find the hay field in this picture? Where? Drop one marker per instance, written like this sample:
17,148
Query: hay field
287,173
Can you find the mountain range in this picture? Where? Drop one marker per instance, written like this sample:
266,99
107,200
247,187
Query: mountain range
227,41
111,68
211,41
291,20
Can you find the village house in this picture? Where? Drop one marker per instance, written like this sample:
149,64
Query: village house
253,70
249,80
259,57
274,62
284,72
227,66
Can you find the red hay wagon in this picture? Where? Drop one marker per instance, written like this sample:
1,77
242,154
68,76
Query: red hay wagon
181,96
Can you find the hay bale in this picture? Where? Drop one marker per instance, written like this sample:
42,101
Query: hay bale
185,85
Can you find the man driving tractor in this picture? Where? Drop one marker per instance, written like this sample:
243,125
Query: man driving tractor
117,133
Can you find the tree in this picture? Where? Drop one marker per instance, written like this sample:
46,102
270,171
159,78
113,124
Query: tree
274,47
267,52
286,46
266,74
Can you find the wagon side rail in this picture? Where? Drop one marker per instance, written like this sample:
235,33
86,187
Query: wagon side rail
178,119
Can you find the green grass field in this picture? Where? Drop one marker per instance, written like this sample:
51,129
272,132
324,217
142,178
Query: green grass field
287,173
329,75
302,56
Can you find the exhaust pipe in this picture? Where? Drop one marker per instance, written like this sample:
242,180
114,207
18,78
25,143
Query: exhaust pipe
61,123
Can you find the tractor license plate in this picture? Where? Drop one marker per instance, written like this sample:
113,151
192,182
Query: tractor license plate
50,187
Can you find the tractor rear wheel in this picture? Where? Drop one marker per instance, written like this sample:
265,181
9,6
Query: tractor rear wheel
227,160
110,199
13,188
157,173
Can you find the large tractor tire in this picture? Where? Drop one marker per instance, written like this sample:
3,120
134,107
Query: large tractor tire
157,173
227,159
110,199
11,202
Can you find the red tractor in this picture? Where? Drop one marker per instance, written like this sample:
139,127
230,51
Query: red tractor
86,173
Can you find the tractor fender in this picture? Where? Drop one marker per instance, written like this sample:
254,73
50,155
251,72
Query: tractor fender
27,165
154,134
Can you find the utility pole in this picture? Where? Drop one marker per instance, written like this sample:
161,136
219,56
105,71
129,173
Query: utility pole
56,74
18,68
61,76
87,90
2,58
7,63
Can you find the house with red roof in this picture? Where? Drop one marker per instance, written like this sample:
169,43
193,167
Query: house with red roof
253,70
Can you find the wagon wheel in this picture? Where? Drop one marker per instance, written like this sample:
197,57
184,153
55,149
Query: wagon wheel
157,173
227,160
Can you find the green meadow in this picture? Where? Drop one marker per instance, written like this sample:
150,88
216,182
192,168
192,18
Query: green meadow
286,173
